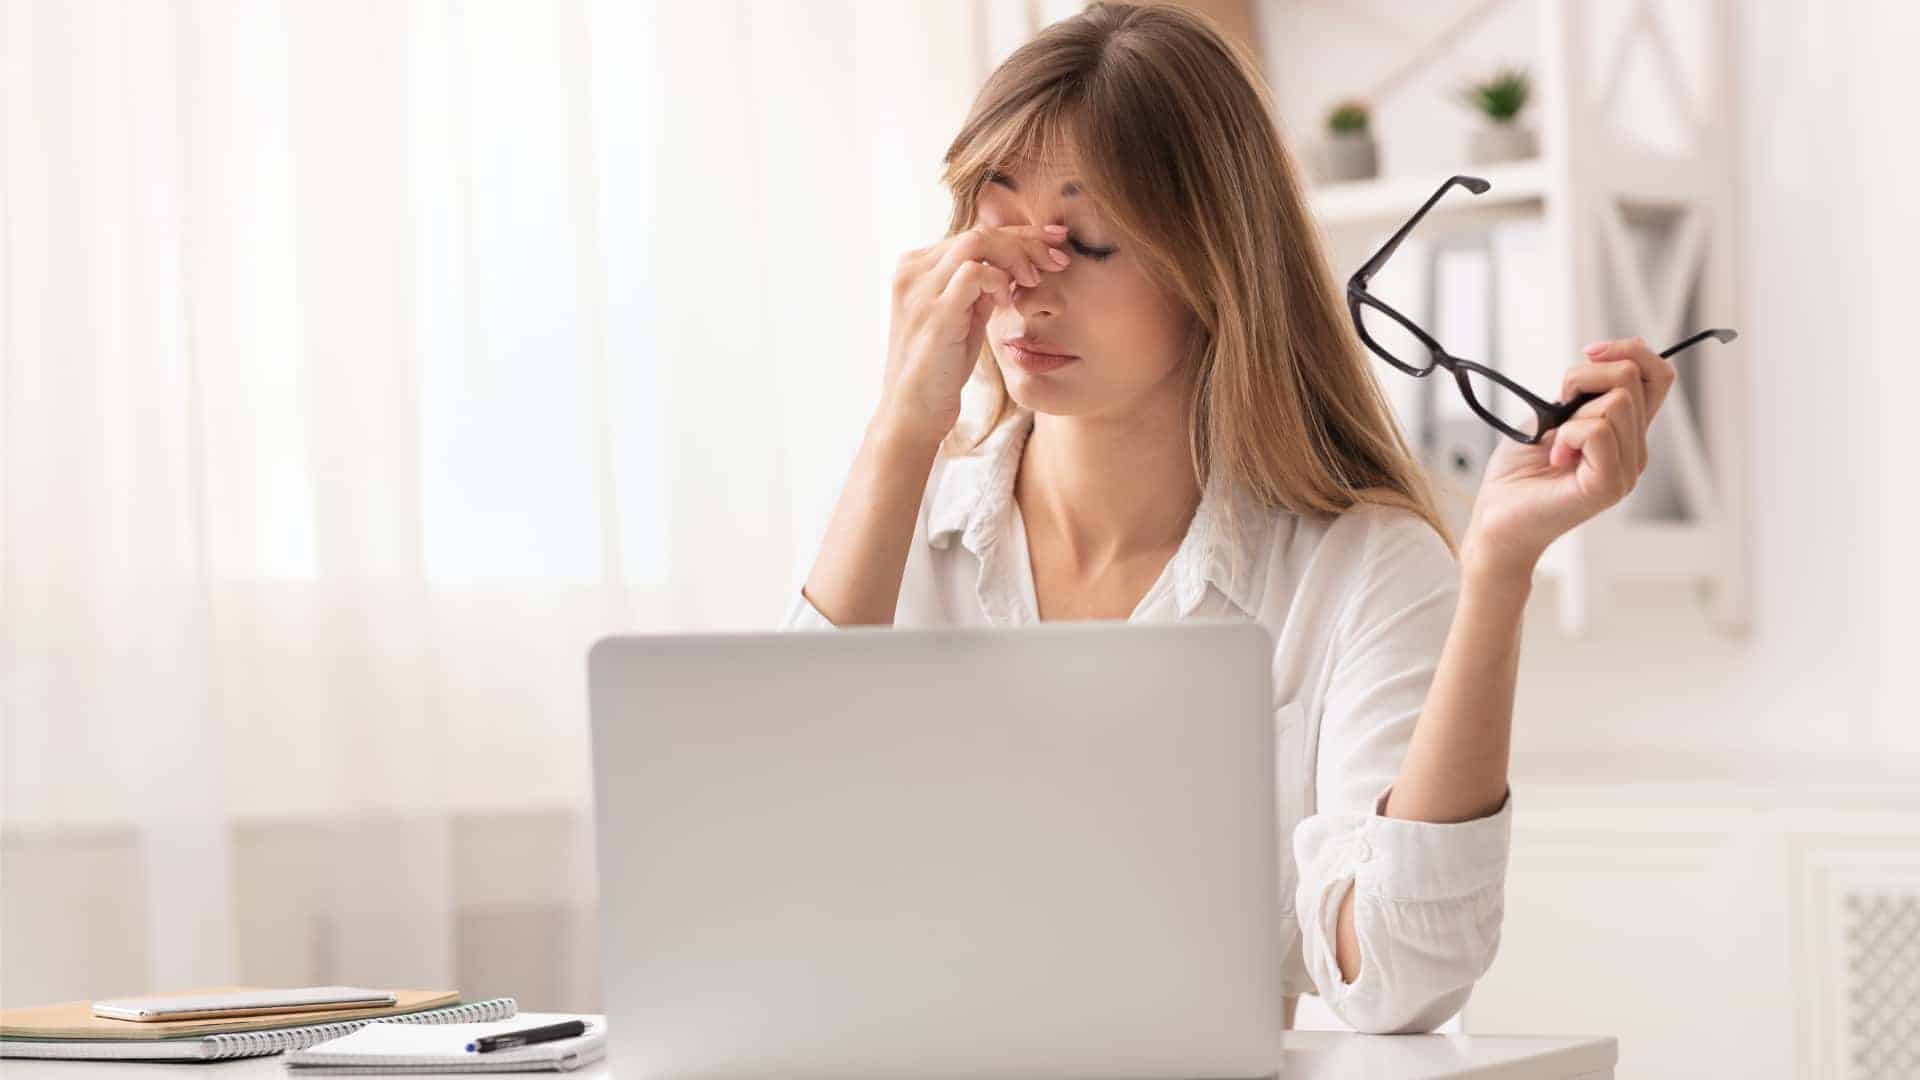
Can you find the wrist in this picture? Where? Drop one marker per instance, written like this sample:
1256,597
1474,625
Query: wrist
1487,576
894,435
1489,559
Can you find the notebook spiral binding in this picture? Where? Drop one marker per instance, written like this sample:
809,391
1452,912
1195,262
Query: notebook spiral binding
255,1043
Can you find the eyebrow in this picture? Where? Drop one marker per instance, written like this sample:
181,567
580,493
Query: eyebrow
1068,189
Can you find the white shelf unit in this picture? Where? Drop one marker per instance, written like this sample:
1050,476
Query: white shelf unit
1592,179
1384,203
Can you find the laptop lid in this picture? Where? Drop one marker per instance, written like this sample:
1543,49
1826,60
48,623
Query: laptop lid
1039,851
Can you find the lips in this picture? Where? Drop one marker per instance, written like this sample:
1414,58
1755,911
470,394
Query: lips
1036,358
1035,346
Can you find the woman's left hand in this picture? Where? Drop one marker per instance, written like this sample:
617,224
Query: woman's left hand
1530,495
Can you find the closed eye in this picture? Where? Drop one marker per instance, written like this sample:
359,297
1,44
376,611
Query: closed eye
1096,254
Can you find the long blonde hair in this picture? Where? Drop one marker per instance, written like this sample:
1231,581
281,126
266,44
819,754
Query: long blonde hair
1175,139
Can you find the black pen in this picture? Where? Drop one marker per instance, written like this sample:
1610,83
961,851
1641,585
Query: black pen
506,1040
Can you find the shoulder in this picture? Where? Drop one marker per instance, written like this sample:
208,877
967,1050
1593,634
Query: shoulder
1367,537
1378,534
1364,564
1399,571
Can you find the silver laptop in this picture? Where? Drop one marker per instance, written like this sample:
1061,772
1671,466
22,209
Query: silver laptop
1043,851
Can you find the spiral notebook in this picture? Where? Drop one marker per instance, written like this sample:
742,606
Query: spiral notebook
233,1044
390,1048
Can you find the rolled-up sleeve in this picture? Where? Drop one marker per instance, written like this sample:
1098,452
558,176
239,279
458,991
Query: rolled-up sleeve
1428,897
802,615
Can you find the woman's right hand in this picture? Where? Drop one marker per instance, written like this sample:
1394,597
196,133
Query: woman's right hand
943,296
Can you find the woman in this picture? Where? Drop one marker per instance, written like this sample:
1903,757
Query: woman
1175,420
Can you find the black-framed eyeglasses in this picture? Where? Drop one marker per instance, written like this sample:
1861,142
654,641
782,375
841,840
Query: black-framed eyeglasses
1482,386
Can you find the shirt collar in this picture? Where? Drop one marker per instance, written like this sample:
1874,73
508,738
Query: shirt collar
974,502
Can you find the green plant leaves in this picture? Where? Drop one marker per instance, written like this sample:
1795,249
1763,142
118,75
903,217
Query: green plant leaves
1347,116
1500,97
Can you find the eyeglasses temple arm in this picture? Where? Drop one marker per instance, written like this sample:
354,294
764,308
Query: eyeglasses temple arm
1372,266
1720,334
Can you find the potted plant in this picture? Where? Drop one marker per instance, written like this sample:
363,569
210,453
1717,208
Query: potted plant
1500,99
1348,152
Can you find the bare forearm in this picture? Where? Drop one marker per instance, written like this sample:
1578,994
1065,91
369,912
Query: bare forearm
855,579
1456,766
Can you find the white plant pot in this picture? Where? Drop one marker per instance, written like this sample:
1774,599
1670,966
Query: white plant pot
1350,156
1502,142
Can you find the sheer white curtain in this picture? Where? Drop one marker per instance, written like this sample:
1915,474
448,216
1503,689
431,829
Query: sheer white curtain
363,362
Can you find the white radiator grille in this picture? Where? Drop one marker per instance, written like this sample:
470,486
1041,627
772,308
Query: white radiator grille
1882,951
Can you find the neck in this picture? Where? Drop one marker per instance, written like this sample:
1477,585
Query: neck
1109,488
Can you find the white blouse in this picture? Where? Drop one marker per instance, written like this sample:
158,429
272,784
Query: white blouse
1359,605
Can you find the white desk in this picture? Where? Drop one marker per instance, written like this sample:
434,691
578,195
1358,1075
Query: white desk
1311,1055
1325,1055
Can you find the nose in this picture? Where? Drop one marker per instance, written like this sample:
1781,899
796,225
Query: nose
1041,299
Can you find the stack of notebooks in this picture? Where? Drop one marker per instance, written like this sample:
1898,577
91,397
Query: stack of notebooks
71,1030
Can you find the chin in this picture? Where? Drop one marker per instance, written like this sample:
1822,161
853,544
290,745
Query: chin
1049,394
